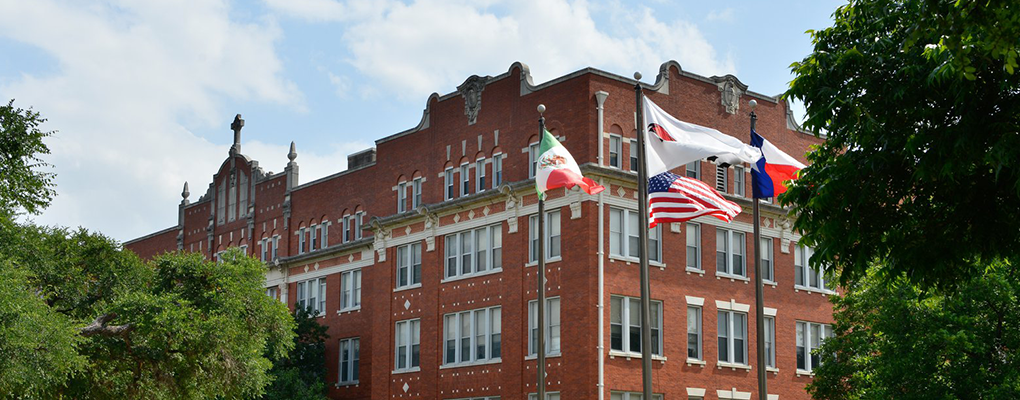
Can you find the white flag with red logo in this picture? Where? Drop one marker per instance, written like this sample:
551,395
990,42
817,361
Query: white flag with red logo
671,143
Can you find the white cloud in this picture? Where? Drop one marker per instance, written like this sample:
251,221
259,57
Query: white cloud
427,46
128,74
724,15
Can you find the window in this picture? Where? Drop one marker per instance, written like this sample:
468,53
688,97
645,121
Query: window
480,175
694,333
720,178
242,190
631,396
693,170
347,222
474,251
693,246
401,197
448,180
805,276
276,245
263,249
409,265
232,203
313,237
624,227
312,294
633,155
767,272
350,290
532,162
323,234
473,336
732,337
358,219
729,252
552,326
407,340
465,180
221,204
738,180
497,170
614,151
625,325
809,338
349,354
552,236
301,241
480,398
273,292
770,342
548,396
416,193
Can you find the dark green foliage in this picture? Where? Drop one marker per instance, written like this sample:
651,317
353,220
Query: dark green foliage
897,341
302,373
23,187
921,168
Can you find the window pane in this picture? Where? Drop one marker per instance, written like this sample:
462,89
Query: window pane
496,324
497,246
693,245
739,338
465,336
815,342
616,323
738,253
615,231
450,326
801,362
554,233
481,249
554,326
465,253
723,328
721,248
633,238
481,327
415,263
694,332
451,256
635,325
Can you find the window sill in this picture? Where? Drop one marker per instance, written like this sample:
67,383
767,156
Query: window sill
629,355
734,367
732,278
768,282
824,292
695,271
632,260
547,261
346,384
472,275
692,361
801,372
772,370
409,287
471,364
547,356
348,310
406,371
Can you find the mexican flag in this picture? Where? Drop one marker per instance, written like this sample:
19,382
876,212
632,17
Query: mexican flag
555,168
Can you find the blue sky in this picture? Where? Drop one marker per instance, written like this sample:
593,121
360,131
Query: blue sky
142,93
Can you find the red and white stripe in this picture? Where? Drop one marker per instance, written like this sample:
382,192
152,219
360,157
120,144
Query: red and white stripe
688,199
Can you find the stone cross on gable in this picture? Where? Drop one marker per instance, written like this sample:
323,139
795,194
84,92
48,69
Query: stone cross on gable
236,127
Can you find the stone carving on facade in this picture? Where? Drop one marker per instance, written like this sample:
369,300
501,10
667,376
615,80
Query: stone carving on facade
471,91
431,223
380,235
785,225
512,203
730,91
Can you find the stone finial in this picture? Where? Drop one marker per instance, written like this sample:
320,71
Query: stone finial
185,193
293,152
236,127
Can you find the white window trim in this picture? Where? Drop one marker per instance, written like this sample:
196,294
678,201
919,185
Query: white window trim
339,373
739,187
729,255
410,248
448,183
465,179
407,323
808,349
625,236
490,257
416,194
401,197
533,221
701,334
320,291
770,337
636,395
473,338
633,155
355,292
497,175
532,151
700,269
625,329
480,175
619,151
547,331
768,252
804,254
731,338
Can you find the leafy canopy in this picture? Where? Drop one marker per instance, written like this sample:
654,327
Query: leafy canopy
895,340
920,100
23,187
301,375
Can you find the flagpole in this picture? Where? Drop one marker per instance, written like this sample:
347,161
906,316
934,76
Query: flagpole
540,318
758,286
646,309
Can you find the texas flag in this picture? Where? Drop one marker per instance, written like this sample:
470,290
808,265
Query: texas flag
774,168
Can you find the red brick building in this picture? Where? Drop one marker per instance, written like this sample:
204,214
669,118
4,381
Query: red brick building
419,255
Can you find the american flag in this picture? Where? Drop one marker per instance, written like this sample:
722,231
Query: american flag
674,198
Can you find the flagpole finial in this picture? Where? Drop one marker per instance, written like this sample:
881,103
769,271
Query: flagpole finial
753,104
637,76
541,108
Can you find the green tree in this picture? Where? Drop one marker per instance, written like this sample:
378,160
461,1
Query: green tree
302,374
895,340
920,102
23,187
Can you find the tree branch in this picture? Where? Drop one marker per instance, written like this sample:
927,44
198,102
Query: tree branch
99,327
